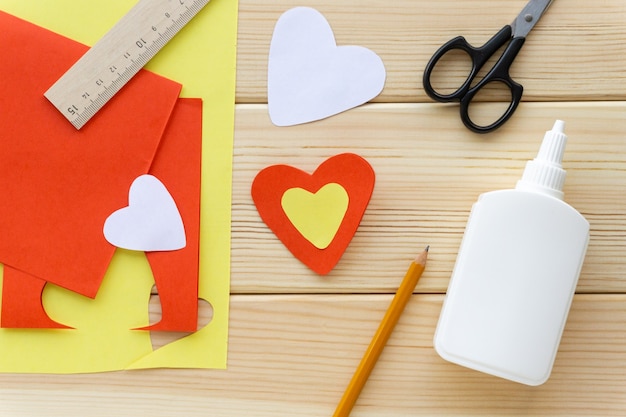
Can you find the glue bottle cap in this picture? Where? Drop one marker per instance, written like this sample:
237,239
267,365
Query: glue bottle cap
545,173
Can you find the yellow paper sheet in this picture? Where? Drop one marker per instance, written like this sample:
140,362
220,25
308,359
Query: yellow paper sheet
103,339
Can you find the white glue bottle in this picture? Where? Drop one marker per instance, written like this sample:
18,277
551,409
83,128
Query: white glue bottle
515,274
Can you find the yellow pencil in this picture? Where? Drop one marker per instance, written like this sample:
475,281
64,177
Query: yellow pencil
382,335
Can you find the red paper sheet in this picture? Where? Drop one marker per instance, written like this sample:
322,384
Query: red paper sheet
57,184
177,164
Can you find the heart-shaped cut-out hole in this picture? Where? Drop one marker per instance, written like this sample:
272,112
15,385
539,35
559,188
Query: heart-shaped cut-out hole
310,77
317,216
150,222
349,171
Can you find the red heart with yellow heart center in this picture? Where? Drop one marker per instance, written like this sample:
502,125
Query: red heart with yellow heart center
293,203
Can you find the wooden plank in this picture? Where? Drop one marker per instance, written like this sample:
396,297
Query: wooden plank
430,170
293,355
576,51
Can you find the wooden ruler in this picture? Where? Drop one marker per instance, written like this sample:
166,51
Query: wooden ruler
99,74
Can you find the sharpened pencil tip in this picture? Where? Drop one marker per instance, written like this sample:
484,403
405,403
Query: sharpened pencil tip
421,258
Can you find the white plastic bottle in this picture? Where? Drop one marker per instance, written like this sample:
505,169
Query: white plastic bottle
515,274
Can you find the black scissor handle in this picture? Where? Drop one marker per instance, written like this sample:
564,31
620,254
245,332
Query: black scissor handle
499,73
478,56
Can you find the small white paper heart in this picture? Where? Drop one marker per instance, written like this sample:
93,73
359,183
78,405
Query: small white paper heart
150,222
310,77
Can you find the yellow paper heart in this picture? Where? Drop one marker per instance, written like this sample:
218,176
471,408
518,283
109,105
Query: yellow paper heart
317,216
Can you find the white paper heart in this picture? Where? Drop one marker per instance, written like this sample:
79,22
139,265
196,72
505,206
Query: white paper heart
150,222
310,77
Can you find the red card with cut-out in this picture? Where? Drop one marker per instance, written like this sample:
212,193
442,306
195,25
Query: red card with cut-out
178,163
58,185
348,172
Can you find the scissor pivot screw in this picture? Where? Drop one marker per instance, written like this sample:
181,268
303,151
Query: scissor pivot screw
528,18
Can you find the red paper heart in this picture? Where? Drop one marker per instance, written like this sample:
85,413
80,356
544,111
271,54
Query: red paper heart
350,171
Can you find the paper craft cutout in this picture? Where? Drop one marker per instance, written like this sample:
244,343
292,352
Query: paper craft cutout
58,184
310,77
178,164
22,302
150,222
351,172
317,216
103,338
103,345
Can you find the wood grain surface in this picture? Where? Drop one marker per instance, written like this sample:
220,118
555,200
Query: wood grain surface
576,52
296,337
292,355
429,172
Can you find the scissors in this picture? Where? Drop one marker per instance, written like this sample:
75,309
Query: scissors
515,35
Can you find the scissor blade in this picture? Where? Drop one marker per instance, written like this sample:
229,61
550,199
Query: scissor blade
529,16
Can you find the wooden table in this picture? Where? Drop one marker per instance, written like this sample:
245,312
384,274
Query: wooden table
296,337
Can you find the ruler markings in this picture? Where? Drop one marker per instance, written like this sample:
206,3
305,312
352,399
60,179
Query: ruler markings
137,37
